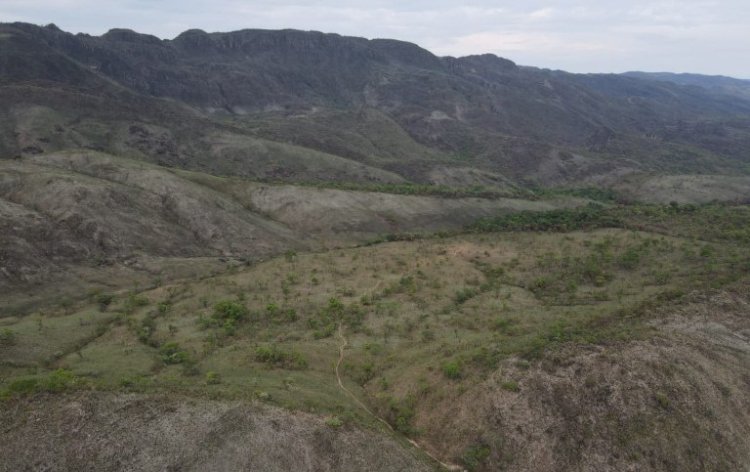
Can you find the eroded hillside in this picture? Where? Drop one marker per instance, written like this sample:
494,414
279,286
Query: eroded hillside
81,211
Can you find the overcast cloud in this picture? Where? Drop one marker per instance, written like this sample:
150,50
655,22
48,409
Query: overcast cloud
710,37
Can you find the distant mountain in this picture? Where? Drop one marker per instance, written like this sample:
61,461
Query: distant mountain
292,105
718,83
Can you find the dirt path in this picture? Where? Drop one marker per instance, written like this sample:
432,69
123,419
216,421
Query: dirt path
342,346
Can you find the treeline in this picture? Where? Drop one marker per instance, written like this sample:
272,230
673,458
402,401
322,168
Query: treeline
589,217
475,191
604,195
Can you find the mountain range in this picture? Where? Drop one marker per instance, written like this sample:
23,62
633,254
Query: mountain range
357,110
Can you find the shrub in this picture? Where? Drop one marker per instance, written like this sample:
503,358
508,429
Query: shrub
277,357
511,386
163,307
401,414
57,381
452,369
630,258
475,456
133,302
212,378
229,327
335,308
272,309
146,329
465,294
290,255
7,337
104,300
503,325
172,353
662,400
229,309
334,422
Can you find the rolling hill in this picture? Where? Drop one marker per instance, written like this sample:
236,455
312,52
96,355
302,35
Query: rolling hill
290,250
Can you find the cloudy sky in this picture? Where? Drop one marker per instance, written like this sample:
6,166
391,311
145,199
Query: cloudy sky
711,36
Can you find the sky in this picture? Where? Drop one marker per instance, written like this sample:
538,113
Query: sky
708,37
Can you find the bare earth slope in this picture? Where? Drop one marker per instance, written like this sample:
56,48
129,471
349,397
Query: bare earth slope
88,208
110,432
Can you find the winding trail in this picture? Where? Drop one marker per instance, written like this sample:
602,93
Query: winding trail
342,346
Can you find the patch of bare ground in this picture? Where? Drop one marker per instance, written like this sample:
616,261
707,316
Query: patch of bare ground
114,432
685,188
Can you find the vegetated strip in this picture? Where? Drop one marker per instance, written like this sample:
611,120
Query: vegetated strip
692,221
562,220
443,191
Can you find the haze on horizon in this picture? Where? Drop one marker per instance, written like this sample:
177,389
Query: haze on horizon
701,36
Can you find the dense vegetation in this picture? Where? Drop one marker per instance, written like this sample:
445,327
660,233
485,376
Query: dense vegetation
590,217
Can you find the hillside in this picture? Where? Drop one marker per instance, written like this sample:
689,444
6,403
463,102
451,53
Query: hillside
288,250
719,83
224,102
622,345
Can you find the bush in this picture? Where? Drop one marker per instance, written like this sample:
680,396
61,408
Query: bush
172,353
228,309
630,258
277,357
335,308
452,369
212,378
511,386
334,422
146,329
104,300
503,325
58,381
475,456
401,414
465,294
7,337
662,400
163,307
133,302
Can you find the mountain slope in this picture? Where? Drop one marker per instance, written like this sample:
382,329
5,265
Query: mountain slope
82,208
717,83
383,103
